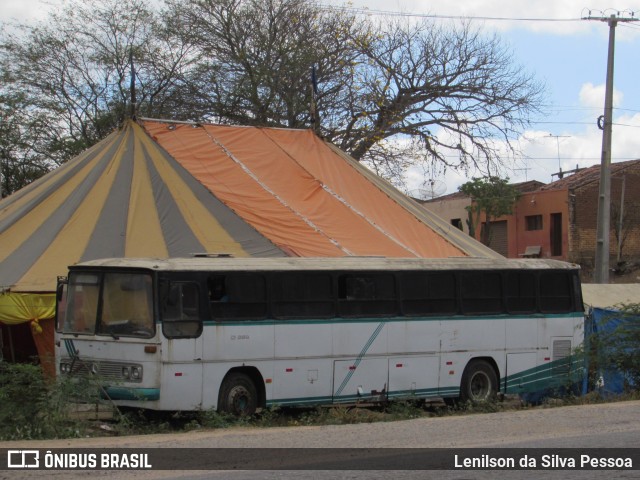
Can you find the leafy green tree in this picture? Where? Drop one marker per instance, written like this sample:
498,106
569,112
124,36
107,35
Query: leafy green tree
491,196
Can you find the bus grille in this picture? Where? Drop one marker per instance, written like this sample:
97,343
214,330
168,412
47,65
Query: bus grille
103,370
561,356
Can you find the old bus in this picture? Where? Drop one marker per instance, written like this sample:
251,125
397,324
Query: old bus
240,334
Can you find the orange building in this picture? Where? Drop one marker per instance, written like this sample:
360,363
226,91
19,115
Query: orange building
558,220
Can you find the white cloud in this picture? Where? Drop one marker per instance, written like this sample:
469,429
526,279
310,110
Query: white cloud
24,11
593,96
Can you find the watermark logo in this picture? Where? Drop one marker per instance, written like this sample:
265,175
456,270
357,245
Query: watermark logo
23,459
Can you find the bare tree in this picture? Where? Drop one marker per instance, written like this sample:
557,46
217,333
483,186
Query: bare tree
256,56
76,67
27,144
455,93
391,94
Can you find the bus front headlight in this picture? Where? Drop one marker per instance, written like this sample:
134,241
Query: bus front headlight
136,373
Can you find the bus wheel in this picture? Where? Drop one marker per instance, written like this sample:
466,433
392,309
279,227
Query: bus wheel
479,382
238,395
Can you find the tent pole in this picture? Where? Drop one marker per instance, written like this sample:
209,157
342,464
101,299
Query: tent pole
11,350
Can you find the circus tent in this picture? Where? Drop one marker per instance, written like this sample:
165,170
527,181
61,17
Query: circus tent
167,189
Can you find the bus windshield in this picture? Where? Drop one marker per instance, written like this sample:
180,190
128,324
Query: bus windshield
125,307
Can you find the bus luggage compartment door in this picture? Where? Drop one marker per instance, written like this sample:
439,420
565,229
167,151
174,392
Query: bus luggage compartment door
360,380
521,372
415,376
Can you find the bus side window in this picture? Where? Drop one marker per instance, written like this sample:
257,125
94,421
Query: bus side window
521,292
481,292
181,310
555,292
217,289
238,296
303,295
429,293
367,294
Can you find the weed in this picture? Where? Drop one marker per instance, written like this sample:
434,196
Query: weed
32,408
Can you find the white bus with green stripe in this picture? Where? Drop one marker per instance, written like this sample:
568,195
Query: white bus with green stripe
241,334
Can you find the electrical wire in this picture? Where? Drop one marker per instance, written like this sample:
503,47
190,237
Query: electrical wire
368,11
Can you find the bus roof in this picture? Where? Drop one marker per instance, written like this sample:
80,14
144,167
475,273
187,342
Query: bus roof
210,263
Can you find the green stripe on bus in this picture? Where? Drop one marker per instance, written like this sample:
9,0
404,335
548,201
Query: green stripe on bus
123,393
418,393
341,320
557,373
362,353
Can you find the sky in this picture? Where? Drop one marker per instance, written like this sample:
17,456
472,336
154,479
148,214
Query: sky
548,40
570,58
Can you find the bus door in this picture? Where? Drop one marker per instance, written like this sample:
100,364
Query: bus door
182,345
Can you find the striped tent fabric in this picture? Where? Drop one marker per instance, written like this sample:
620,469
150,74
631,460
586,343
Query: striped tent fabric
163,189
167,189
306,196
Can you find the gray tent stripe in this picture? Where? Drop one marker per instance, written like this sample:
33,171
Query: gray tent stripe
109,235
178,236
251,241
60,176
21,259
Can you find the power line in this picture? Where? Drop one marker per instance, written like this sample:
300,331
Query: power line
550,122
368,11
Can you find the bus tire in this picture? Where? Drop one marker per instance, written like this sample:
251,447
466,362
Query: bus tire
238,395
479,382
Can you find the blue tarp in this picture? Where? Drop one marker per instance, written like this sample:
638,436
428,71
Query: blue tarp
602,321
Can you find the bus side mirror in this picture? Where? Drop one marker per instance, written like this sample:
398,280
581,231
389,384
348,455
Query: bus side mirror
62,281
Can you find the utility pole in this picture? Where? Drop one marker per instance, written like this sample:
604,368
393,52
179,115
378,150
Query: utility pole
603,228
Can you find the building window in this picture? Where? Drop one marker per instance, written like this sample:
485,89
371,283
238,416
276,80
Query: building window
456,222
534,222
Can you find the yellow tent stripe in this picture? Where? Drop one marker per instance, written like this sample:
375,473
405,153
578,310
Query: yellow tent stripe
33,189
144,233
62,252
24,228
204,225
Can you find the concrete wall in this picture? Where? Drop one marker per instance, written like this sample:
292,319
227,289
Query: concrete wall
450,210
